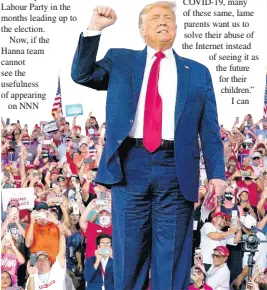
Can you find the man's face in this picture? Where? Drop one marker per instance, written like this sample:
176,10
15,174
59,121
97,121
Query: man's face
232,166
43,264
244,196
262,151
13,211
104,218
105,243
218,259
219,222
249,119
256,161
159,28
42,221
84,148
61,182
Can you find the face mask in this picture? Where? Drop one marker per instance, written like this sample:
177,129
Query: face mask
91,131
228,196
26,143
104,220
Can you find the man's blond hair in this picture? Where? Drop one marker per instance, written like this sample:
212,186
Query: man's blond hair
165,4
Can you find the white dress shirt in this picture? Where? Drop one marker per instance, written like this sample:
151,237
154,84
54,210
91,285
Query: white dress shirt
218,278
167,87
104,265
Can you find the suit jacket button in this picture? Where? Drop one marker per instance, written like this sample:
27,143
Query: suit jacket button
131,121
119,141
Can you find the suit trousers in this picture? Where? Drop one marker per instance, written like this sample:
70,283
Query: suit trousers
152,222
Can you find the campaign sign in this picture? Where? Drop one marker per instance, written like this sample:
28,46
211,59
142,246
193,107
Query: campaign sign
73,110
50,127
25,197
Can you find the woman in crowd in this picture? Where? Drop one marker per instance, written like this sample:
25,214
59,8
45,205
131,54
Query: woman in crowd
11,257
74,248
198,275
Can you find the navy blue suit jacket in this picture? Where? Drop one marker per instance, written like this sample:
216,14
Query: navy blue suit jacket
94,277
120,72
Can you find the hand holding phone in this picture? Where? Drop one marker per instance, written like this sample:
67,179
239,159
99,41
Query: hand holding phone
33,259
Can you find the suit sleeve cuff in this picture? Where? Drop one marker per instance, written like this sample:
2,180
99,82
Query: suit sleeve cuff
87,33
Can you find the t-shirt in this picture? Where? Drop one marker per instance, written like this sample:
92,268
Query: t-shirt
10,263
45,238
55,280
92,232
205,287
253,192
207,245
218,278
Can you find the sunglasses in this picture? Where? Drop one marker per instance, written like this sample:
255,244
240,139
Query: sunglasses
216,256
61,179
256,158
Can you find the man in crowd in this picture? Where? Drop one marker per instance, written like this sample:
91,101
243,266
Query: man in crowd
213,236
218,275
98,271
43,234
91,230
148,128
47,274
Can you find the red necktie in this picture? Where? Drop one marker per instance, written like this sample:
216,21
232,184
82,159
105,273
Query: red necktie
153,108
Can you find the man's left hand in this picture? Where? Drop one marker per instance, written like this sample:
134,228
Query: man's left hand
218,185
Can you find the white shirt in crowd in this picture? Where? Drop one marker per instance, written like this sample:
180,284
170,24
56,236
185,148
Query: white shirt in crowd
104,265
207,245
260,257
218,278
167,87
54,280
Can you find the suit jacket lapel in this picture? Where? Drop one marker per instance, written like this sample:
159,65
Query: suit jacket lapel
183,73
109,266
139,63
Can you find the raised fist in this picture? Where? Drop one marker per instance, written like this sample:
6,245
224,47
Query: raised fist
102,17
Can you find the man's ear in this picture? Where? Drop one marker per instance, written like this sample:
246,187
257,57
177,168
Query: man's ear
142,30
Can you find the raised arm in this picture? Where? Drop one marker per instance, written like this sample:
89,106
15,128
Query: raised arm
85,69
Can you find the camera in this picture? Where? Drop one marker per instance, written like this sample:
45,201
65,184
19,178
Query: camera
250,242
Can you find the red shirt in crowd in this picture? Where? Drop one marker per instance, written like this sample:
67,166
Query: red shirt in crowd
92,232
254,194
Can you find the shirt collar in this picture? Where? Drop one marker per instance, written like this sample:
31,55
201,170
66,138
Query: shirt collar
151,53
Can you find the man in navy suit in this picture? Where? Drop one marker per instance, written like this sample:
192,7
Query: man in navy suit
98,270
157,105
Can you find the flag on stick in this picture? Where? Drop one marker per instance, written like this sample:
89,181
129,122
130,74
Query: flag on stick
58,101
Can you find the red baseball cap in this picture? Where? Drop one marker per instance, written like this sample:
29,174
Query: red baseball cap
261,145
54,172
39,185
223,251
226,216
30,166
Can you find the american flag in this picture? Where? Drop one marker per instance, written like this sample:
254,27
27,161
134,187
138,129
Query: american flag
265,101
57,102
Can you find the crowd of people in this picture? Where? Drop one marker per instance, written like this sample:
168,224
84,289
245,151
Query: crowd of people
62,238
